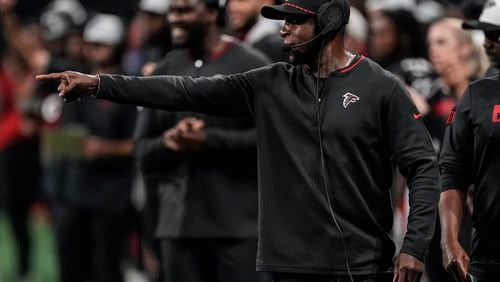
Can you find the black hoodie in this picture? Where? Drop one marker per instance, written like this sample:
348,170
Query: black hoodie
362,122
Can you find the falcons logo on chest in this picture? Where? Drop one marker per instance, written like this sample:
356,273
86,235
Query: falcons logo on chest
348,99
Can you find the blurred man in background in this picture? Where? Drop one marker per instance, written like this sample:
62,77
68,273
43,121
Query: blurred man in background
19,154
457,61
489,23
245,23
398,44
148,37
20,168
470,157
92,180
203,167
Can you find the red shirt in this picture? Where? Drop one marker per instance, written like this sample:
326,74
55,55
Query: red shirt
10,118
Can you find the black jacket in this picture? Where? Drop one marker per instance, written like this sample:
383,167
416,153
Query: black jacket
211,193
363,121
470,155
102,184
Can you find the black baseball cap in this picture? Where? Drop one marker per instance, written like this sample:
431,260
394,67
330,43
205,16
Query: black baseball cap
294,8
489,20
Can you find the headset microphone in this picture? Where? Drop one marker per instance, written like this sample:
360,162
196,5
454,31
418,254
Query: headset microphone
289,47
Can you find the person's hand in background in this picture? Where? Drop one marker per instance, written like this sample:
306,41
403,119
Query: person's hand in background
187,136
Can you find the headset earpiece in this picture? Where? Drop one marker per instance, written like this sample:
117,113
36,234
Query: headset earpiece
331,16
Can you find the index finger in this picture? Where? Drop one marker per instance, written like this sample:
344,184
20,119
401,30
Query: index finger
414,276
454,270
402,273
50,76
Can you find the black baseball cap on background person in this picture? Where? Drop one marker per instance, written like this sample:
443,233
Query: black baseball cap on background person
489,21
294,8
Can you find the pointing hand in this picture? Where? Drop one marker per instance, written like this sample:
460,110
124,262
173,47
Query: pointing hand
73,85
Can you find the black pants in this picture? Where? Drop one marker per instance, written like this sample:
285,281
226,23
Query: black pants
19,176
490,276
210,260
290,277
90,245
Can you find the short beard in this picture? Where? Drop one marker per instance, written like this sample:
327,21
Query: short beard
307,54
195,41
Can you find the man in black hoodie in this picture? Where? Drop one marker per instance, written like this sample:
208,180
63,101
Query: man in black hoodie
329,127
470,156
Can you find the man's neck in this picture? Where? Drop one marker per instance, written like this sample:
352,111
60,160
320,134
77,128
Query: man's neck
211,44
242,32
333,57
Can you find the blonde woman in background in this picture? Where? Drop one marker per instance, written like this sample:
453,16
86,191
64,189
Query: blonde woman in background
457,60
455,56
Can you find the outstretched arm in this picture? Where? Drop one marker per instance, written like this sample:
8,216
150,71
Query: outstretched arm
220,95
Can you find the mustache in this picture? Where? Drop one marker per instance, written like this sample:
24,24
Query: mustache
180,26
286,48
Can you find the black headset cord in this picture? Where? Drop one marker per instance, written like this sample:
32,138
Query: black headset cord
323,166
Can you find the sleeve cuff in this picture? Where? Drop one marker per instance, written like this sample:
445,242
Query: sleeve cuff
449,183
97,92
211,138
419,253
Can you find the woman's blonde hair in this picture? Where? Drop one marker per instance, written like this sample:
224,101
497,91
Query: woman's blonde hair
477,61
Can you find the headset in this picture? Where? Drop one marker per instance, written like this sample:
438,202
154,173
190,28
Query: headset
330,17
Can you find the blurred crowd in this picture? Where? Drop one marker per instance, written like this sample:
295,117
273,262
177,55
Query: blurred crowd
183,185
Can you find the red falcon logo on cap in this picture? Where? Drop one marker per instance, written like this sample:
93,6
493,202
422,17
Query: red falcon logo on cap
349,98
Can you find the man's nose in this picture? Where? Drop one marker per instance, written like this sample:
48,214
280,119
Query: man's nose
285,30
174,17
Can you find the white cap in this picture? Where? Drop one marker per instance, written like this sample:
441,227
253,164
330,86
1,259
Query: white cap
428,11
489,19
55,25
155,6
72,7
358,25
104,29
373,5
